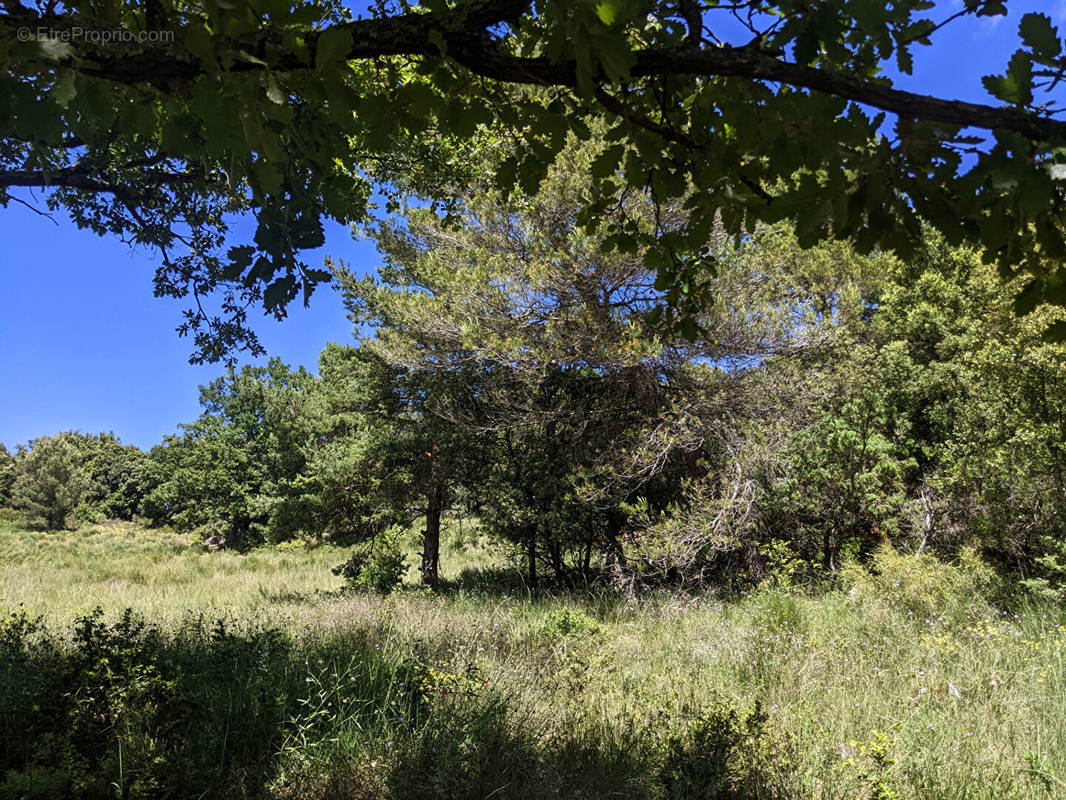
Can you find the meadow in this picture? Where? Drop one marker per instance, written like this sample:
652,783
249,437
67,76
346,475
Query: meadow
254,675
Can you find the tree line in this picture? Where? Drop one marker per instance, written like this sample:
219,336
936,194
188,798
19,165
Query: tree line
511,368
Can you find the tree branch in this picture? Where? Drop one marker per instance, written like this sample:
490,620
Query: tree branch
81,178
465,34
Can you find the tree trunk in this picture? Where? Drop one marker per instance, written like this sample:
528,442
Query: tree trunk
431,534
828,551
431,539
533,560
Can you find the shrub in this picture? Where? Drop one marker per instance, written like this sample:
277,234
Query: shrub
374,569
126,709
724,755
922,585
560,622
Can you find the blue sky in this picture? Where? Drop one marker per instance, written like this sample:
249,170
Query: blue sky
84,345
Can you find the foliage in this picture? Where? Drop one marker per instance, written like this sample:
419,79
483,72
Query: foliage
72,476
928,419
50,481
564,622
237,463
377,568
513,373
922,586
530,370
752,112
129,708
116,477
7,474
724,754
856,697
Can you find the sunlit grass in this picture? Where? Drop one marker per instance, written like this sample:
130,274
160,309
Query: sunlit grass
905,684
158,573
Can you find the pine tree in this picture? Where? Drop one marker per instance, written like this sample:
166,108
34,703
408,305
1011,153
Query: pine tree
50,481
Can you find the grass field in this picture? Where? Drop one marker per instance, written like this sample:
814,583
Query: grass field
906,683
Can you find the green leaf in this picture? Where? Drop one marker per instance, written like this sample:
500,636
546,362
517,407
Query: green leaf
274,92
436,38
607,162
318,275
332,47
201,44
420,98
608,10
689,329
1029,297
1055,332
1016,86
244,55
240,257
262,271
904,60
278,292
616,57
992,8
507,174
1040,35
64,90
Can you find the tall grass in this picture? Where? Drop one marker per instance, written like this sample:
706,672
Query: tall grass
159,573
913,679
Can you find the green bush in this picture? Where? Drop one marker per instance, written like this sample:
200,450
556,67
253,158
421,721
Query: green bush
724,754
922,585
560,622
125,709
377,569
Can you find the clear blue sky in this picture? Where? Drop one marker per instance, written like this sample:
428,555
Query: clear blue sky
84,345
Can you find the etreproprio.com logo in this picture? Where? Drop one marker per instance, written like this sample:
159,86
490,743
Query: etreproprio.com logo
91,36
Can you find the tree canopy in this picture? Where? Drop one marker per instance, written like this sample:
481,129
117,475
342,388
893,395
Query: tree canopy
154,121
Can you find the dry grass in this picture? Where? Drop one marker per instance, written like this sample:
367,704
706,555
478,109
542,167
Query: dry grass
905,685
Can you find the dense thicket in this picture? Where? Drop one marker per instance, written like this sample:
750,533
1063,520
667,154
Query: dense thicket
510,368
57,479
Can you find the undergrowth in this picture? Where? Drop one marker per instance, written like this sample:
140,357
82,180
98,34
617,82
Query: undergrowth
909,678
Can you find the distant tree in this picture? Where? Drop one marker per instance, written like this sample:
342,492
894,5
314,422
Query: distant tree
356,482
386,453
7,474
228,467
985,395
50,482
116,476
781,399
931,416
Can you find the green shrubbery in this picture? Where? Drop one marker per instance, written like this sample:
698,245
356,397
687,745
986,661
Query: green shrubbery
561,622
898,679
847,402
125,709
723,754
923,586
71,477
379,567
